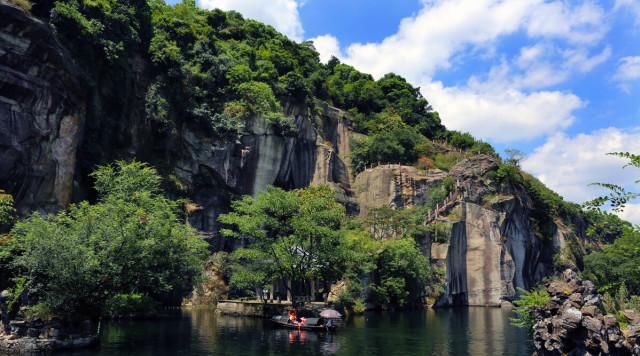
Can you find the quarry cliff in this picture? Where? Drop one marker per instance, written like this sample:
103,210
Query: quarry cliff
55,128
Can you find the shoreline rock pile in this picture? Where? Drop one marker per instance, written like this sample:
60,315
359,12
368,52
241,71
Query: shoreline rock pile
36,336
574,322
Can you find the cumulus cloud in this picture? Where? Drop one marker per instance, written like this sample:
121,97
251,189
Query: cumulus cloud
281,14
582,23
569,164
631,213
327,46
502,115
427,42
511,101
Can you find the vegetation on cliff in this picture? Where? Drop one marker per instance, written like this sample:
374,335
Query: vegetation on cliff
613,262
213,71
303,236
615,267
129,249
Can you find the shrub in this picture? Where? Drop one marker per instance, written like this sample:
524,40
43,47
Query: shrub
7,211
617,263
39,311
212,286
358,307
130,242
402,273
526,305
461,140
508,174
439,231
481,147
445,161
130,304
425,163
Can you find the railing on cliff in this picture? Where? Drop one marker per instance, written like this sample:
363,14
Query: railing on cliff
454,197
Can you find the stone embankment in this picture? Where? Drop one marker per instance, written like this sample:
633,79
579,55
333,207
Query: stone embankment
574,322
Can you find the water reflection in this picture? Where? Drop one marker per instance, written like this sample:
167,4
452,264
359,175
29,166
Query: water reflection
472,331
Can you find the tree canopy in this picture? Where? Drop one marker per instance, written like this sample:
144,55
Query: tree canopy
291,236
131,243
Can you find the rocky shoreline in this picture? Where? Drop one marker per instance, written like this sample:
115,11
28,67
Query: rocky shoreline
37,336
574,322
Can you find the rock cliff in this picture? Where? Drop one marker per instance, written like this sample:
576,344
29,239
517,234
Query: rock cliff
54,129
41,115
493,249
395,186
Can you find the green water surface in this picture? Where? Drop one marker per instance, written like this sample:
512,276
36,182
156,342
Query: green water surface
462,331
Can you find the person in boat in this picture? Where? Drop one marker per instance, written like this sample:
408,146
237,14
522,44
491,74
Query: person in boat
294,319
293,316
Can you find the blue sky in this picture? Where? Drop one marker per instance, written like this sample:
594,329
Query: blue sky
557,79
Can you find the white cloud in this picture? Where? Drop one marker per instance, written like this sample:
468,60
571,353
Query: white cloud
427,42
569,164
579,59
502,115
630,6
628,70
327,46
540,66
631,213
581,24
508,102
281,14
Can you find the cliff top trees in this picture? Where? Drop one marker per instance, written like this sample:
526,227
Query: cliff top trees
130,245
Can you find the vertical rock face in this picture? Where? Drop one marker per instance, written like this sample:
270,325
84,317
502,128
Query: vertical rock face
494,250
53,132
42,131
395,186
479,264
40,116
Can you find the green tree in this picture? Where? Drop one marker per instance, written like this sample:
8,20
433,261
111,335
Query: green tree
402,273
462,140
131,242
617,263
292,235
618,197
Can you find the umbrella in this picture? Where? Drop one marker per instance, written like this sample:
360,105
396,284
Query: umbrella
330,314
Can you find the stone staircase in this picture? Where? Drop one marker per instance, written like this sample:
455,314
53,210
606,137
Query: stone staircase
455,196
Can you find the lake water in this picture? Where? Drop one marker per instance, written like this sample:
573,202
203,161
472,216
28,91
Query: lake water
464,331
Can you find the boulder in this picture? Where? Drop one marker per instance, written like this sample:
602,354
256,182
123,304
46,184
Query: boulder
574,323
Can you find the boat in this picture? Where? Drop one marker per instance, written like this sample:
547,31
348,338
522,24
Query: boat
312,324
